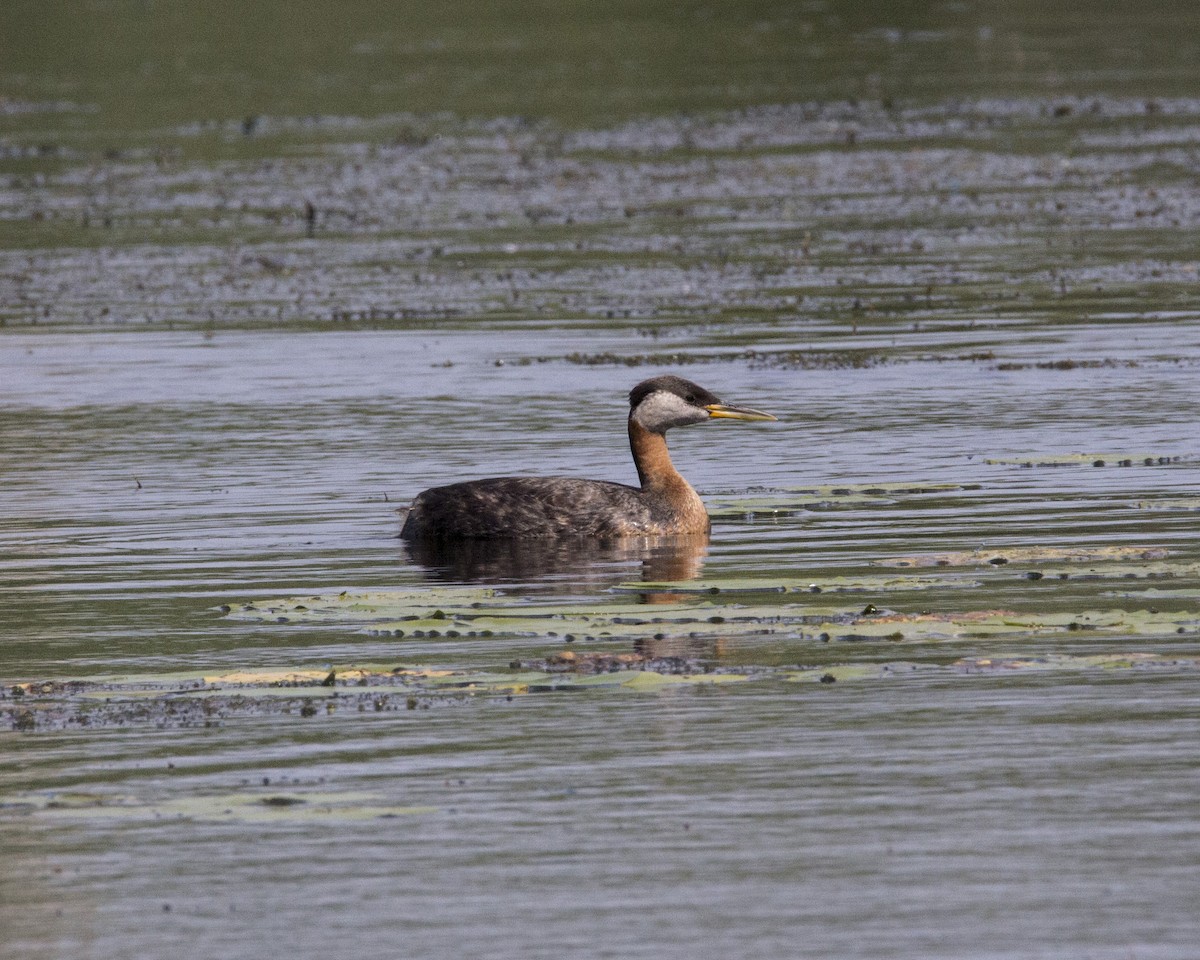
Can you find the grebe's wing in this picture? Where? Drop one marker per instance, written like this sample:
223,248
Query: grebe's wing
527,507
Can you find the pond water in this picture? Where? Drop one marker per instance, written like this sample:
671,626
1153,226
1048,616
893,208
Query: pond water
930,689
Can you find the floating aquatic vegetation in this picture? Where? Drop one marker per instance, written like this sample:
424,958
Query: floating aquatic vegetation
748,611
1168,570
239,807
205,701
1001,556
1180,504
1156,593
733,586
349,606
485,613
1077,564
980,624
823,497
303,694
1089,460
787,503
997,665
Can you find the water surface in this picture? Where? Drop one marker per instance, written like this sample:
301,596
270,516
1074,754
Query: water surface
950,246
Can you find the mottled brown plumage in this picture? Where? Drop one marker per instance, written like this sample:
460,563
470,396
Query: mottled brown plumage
537,507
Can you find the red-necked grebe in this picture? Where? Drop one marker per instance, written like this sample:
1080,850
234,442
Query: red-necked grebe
534,507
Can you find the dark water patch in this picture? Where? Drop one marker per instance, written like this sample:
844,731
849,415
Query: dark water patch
511,222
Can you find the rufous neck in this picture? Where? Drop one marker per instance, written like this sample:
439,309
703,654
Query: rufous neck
650,456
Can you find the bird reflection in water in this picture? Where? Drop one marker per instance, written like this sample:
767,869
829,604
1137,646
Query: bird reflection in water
568,563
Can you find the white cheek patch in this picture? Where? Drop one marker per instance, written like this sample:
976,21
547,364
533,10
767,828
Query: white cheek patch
661,410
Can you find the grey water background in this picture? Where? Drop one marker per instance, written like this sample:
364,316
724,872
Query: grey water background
268,273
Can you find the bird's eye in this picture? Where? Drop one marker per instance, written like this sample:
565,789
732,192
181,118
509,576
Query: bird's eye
690,398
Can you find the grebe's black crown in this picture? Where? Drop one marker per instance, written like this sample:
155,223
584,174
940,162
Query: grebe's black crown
690,392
